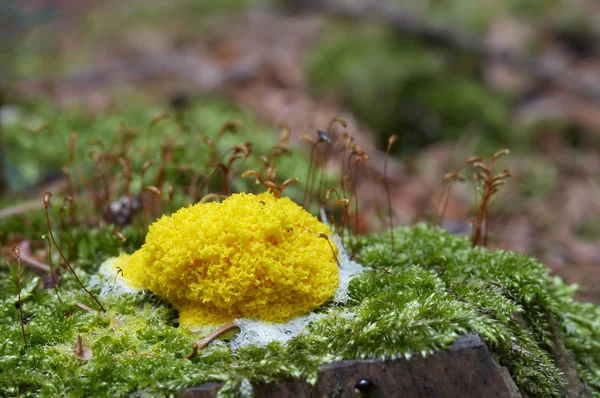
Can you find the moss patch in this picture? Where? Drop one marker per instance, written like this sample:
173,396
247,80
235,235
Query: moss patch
434,288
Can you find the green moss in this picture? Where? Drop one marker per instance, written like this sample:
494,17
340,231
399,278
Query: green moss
434,288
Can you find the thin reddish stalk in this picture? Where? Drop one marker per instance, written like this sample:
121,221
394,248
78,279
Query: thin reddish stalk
391,141
47,196
356,215
52,268
18,255
324,236
305,201
193,353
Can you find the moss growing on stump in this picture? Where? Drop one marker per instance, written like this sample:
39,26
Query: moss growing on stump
420,298
522,310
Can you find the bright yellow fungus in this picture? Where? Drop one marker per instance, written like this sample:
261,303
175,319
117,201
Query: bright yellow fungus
252,256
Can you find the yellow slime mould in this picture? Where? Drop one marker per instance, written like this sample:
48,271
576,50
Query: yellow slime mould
251,256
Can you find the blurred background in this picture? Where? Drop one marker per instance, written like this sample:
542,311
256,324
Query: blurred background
450,78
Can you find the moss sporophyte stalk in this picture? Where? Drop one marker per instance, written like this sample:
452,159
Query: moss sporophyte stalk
251,256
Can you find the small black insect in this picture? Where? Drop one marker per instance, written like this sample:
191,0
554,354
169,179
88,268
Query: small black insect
27,318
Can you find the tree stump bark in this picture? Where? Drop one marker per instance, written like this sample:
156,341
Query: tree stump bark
467,369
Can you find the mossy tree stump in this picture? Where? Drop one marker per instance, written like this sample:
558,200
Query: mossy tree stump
467,369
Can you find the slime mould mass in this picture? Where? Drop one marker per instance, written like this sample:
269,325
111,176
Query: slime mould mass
251,256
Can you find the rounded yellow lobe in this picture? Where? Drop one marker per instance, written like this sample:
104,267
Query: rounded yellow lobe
252,256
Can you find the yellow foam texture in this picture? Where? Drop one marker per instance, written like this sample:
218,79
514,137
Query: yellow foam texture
251,256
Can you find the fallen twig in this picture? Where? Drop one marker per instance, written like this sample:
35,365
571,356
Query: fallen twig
31,261
213,336
35,264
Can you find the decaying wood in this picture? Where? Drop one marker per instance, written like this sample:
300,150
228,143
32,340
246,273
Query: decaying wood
467,369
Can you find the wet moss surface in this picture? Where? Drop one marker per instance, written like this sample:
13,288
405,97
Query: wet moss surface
433,288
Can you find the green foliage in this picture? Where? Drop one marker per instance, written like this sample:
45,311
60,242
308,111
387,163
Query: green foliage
399,86
415,301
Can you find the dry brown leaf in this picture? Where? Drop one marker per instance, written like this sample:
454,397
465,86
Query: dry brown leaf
81,350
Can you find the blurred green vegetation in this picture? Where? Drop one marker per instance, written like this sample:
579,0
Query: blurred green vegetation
425,94
100,34
398,86
588,230
39,139
477,15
